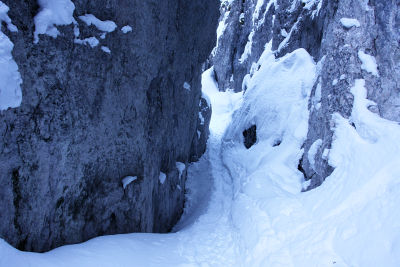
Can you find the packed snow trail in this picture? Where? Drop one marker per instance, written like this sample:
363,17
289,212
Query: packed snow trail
245,206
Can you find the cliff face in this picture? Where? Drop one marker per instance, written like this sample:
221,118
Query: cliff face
350,39
91,116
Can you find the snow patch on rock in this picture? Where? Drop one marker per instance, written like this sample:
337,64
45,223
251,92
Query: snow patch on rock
349,23
162,177
181,168
312,152
53,13
105,49
368,63
10,78
92,41
104,26
127,180
126,29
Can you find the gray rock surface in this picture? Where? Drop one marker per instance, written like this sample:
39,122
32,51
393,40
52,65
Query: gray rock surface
315,25
88,119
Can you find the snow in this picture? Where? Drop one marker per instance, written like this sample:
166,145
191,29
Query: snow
204,96
325,154
10,78
312,152
222,103
104,26
245,207
162,177
53,13
316,100
92,41
181,168
368,63
127,180
106,49
352,219
257,10
256,22
349,23
201,118
5,18
221,27
285,41
186,85
126,29
247,48
284,32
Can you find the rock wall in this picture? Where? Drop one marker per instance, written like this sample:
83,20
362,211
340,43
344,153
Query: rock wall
89,118
346,37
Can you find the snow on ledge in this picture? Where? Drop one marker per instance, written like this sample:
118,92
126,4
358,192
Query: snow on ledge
106,49
368,63
92,41
126,29
312,152
5,18
187,86
349,23
104,26
181,168
51,14
127,180
162,177
10,78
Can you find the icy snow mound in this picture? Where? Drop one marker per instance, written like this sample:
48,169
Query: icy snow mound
353,218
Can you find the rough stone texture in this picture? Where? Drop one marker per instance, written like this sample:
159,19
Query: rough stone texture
88,119
199,144
229,71
315,25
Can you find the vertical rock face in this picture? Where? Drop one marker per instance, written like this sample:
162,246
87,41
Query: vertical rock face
89,118
351,39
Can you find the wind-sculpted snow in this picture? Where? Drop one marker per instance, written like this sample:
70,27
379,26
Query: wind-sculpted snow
352,219
350,39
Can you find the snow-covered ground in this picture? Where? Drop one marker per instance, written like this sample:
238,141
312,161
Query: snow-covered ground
245,206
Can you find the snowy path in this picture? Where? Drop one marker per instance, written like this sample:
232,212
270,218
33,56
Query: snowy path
245,206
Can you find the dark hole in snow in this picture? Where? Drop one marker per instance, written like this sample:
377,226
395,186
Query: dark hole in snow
300,168
250,136
352,124
277,142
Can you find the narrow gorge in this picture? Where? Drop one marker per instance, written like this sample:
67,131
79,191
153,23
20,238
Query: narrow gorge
200,133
